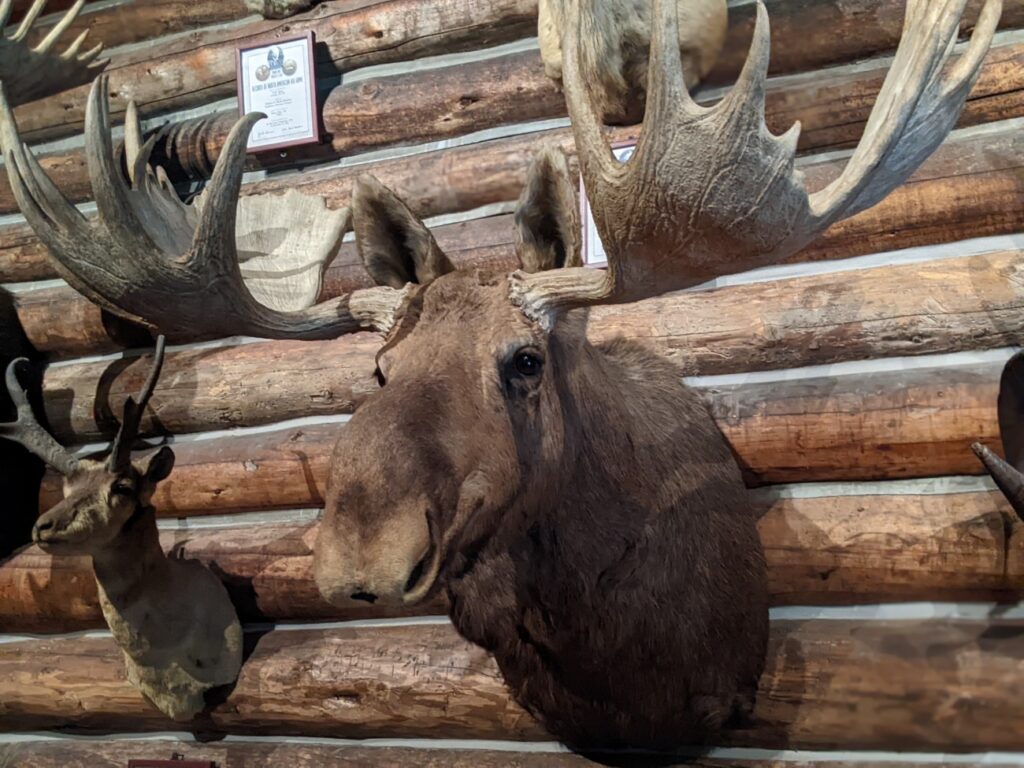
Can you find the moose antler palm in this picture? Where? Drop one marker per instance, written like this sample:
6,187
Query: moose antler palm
152,259
710,191
32,73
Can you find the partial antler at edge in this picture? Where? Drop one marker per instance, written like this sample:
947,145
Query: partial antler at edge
710,191
28,432
33,73
1007,478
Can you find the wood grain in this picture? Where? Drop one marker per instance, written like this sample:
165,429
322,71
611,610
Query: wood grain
826,550
932,685
916,423
824,33
431,105
803,321
62,323
200,68
972,186
115,754
135,22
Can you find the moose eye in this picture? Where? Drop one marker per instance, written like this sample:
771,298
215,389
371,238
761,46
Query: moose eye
527,363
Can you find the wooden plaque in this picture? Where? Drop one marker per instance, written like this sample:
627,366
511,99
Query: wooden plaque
278,77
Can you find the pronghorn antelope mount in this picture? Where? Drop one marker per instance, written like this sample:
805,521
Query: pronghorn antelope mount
575,502
172,618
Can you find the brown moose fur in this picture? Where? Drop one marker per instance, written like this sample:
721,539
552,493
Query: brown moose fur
587,521
614,43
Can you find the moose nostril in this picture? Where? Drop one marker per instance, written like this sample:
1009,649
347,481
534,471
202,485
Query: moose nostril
367,596
44,525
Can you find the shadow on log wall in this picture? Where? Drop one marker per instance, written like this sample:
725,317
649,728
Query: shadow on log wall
20,472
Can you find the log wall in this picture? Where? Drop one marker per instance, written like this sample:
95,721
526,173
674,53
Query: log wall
849,465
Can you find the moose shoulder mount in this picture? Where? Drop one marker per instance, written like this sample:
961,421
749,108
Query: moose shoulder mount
172,618
576,502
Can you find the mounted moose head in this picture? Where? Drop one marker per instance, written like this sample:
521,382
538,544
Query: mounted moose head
576,502
1009,474
614,45
172,618
32,73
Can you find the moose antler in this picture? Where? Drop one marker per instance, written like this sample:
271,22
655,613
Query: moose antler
32,73
152,259
134,408
28,432
710,191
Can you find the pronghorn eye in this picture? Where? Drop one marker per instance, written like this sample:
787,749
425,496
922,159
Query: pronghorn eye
527,363
122,488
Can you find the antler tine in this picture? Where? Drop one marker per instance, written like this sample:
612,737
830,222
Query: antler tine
32,14
40,200
214,239
1007,478
133,142
6,6
109,187
591,146
134,408
58,29
916,107
27,431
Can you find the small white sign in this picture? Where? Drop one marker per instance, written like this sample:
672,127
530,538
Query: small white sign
593,248
278,79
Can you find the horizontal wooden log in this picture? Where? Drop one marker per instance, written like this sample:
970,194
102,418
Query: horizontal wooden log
824,34
971,187
933,685
822,550
115,754
135,22
443,103
930,307
806,36
807,320
182,73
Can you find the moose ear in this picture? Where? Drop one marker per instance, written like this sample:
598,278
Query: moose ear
395,246
160,465
547,215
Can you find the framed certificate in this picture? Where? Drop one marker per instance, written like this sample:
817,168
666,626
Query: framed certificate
593,248
278,78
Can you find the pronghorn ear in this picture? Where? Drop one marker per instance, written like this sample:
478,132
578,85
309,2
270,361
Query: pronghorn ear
159,466
547,215
395,246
